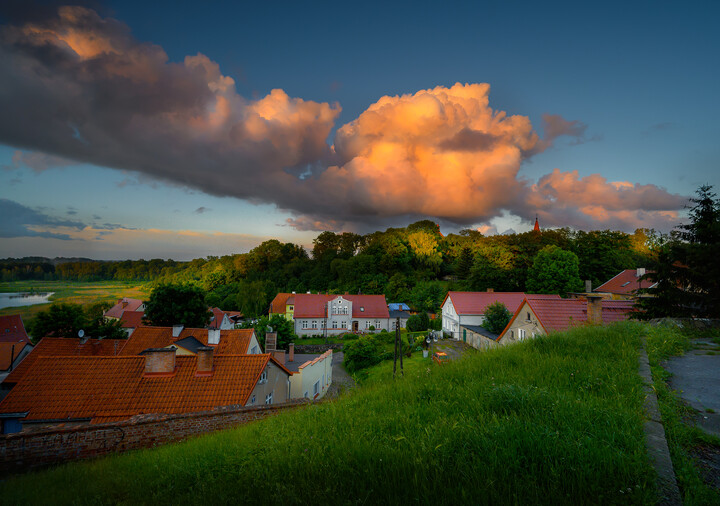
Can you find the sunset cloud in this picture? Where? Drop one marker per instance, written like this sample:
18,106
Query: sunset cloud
76,86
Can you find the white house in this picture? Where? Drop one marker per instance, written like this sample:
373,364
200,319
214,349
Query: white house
325,314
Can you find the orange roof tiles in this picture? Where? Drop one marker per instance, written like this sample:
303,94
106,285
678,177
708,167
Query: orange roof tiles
475,303
561,314
9,352
277,306
58,346
115,388
232,342
627,282
218,316
132,319
12,329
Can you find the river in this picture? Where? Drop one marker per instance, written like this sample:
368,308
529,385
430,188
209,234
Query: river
17,299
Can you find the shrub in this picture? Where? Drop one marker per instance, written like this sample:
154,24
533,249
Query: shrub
361,353
497,317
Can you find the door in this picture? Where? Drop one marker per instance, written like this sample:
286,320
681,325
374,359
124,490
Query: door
355,326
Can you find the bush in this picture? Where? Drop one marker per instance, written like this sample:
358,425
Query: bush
364,352
497,317
418,322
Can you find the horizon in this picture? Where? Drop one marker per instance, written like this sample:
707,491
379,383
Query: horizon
138,131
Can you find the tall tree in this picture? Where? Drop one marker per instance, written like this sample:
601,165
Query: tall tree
554,270
497,317
170,304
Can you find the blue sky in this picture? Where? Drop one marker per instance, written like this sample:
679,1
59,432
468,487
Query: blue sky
633,83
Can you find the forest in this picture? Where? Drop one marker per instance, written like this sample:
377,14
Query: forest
415,264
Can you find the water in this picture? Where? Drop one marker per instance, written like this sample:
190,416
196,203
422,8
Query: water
17,299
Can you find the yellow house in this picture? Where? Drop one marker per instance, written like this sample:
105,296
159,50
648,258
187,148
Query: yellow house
311,374
284,305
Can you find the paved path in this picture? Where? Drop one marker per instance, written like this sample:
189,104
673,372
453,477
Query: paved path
341,380
696,378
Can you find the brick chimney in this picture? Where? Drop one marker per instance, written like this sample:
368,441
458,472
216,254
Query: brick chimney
270,342
214,336
594,309
177,328
291,352
125,304
279,356
159,360
205,359
588,286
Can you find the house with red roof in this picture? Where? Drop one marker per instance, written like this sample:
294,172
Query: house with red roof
625,285
337,314
220,320
460,309
124,304
12,330
284,305
77,390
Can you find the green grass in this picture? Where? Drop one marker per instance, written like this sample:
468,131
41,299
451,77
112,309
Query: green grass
555,420
682,436
77,292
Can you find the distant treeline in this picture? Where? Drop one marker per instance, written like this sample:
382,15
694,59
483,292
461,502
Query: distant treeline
415,264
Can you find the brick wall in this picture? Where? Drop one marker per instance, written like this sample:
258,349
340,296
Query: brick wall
30,450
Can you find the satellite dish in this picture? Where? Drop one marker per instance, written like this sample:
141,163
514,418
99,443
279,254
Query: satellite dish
269,328
81,333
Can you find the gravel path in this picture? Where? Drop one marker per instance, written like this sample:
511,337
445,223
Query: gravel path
341,380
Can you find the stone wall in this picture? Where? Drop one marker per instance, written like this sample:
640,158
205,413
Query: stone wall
29,450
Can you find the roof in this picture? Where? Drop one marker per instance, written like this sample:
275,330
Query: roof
627,282
232,342
8,355
190,344
559,315
308,305
115,388
482,331
217,319
132,319
278,303
60,346
475,303
300,359
399,314
398,306
124,304
12,329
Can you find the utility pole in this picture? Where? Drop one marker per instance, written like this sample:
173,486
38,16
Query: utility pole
398,346
327,310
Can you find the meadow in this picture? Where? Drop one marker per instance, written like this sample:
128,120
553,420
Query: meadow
77,292
555,420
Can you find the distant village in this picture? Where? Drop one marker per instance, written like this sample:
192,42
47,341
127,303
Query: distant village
173,370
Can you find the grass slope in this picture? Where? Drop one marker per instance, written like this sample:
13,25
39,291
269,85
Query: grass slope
556,420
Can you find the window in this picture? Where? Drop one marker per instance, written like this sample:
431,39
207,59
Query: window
377,324
528,316
343,325
394,325
254,350
367,324
263,377
291,308
345,310
521,334
334,324
252,400
268,398
304,325
316,388
314,324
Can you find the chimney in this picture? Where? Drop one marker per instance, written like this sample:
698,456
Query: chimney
124,304
119,301
291,352
594,309
490,290
293,292
177,328
159,360
640,271
588,286
308,292
279,356
270,342
214,336
204,359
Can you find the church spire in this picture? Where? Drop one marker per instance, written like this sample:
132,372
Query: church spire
537,225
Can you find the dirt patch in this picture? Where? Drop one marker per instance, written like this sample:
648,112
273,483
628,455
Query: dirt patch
707,458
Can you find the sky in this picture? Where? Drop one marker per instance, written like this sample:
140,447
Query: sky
181,130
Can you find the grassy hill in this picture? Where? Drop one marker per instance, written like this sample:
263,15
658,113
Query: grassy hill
555,420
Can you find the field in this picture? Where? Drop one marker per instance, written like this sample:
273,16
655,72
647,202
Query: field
84,293
555,420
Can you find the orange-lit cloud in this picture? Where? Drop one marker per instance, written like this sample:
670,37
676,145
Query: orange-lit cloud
80,87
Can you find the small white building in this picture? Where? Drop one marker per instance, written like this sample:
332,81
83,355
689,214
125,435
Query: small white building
311,375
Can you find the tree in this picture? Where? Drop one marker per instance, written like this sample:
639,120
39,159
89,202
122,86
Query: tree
497,317
283,327
361,353
60,320
464,263
418,322
170,304
554,270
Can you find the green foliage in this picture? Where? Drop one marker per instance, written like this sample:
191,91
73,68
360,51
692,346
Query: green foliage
554,271
491,268
555,420
283,327
171,304
364,352
418,322
67,319
497,317
464,263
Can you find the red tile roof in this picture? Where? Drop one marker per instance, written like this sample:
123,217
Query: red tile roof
561,314
124,304
627,282
8,354
12,329
363,306
231,341
218,316
116,388
475,303
58,346
132,319
278,303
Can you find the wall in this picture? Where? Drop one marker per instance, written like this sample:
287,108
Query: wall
29,450
310,373
278,382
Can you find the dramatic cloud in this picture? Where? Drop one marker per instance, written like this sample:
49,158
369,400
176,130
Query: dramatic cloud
20,221
80,87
